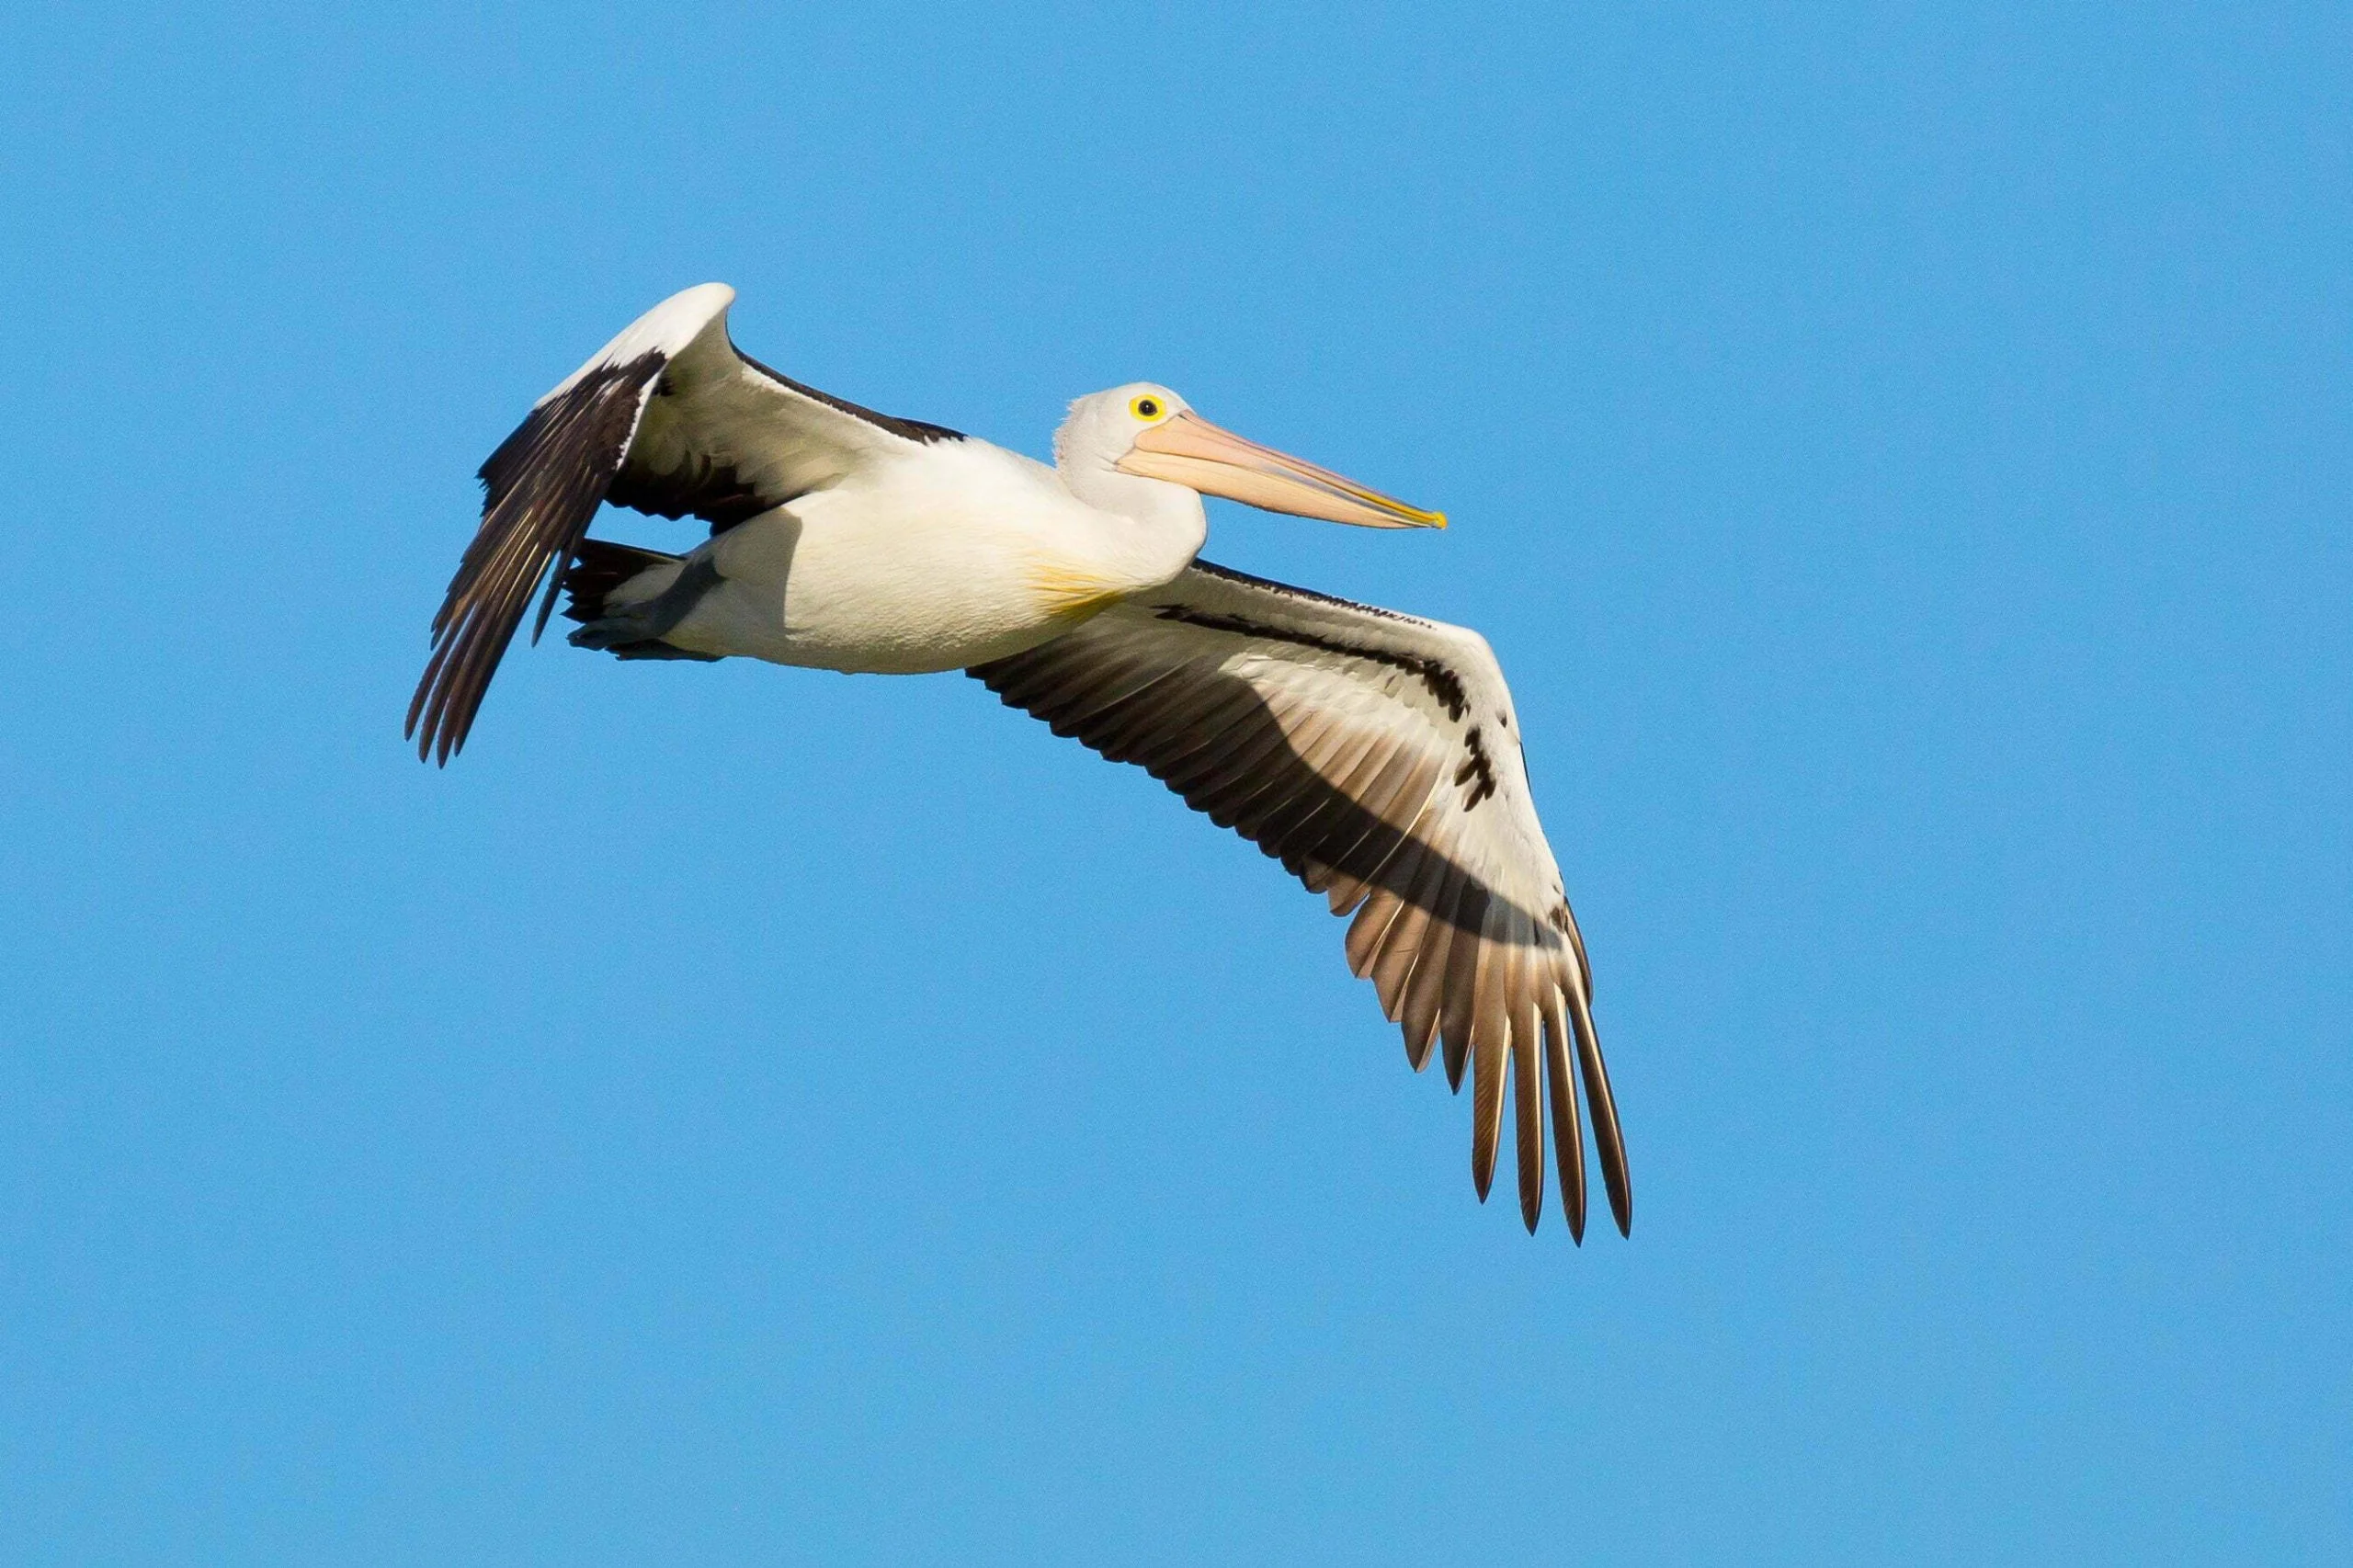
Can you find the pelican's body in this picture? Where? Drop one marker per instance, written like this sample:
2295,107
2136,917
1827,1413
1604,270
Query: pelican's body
949,556
1375,753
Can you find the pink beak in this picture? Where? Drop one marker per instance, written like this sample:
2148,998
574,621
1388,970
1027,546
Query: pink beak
1189,450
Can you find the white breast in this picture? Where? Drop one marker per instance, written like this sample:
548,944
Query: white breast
956,554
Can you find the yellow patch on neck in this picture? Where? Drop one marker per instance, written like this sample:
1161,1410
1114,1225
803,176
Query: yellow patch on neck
1073,593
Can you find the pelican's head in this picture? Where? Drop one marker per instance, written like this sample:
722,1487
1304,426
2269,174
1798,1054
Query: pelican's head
1148,432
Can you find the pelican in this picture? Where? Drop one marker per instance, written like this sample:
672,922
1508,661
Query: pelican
1375,753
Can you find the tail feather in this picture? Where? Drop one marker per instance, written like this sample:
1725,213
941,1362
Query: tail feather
597,568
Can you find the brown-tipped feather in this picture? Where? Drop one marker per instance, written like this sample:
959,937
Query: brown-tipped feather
1362,945
1240,781
1526,1088
1419,1018
1396,806
1490,1042
1236,776
1412,929
1607,1144
1335,835
1487,1048
1293,750
1405,947
1391,803
1568,1131
1425,988
1344,760
1266,817
1369,933
1068,703
1173,738
1455,1012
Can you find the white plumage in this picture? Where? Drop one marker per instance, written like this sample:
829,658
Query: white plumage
1377,754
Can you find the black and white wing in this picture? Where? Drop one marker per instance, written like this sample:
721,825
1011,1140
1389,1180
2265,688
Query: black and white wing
668,418
1377,755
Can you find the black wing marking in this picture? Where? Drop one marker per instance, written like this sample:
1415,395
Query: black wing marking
916,430
701,483
540,488
668,418
1344,740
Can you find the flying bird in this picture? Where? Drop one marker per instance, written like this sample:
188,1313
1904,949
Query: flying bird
1375,753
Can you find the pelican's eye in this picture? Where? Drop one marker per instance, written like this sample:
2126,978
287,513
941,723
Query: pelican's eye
1147,407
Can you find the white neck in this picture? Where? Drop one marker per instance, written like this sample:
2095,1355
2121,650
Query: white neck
1169,523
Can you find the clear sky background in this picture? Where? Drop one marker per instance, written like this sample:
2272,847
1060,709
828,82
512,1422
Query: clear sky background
735,1114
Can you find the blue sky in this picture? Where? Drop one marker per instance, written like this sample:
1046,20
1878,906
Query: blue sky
737,1114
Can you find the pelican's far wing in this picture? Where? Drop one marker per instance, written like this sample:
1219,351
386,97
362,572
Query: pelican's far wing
668,418
1378,757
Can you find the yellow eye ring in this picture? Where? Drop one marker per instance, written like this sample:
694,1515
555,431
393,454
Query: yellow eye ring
1147,407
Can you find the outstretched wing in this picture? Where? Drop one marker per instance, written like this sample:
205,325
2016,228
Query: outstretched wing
668,418
1377,755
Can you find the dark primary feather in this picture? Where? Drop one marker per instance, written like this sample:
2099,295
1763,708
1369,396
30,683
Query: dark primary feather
699,483
541,488
1369,817
1345,740
690,427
